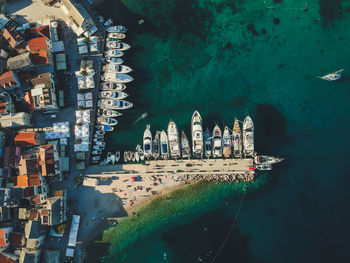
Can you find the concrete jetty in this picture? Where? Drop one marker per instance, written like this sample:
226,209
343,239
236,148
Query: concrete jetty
168,167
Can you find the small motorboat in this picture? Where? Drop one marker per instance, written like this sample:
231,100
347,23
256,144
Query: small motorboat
117,156
98,147
113,53
96,158
121,46
116,77
107,121
108,128
117,35
227,143
108,94
113,86
137,156
109,113
101,143
108,23
164,147
97,152
217,141
129,155
156,145
99,136
100,132
126,157
98,140
133,156
141,154
117,29
332,76
207,143
112,158
115,104
185,146
114,60
263,167
121,69
147,142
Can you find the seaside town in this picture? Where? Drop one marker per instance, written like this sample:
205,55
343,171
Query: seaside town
63,83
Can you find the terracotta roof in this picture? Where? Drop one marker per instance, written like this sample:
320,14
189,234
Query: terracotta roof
9,156
46,160
2,238
25,138
3,107
38,43
12,36
22,181
16,239
43,31
41,79
34,214
40,58
28,191
36,199
28,98
7,80
5,259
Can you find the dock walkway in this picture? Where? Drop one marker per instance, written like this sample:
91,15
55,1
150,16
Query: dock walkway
190,166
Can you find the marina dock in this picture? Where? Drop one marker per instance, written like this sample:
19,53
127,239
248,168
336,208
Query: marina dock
180,167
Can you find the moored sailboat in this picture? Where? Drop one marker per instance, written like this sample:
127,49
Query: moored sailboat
265,159
164,147
207,143
227,143
173,140
156,145
237,139
185,146
217,141
332,76
197,135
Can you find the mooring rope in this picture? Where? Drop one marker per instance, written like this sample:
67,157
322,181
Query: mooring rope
230,230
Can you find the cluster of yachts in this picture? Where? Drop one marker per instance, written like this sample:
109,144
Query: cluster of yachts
111,95
229,143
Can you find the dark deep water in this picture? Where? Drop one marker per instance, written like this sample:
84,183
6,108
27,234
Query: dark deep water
228,58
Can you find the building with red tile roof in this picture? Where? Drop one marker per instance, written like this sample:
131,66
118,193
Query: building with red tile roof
17,239
9,157
39,43
28,180
41,31
9,80
13,37
47,160
28,165
8,258
42,58
29,138
28,192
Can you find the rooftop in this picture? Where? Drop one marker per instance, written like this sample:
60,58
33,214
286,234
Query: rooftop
40,57
25,139
13,37
20,61
8,80
39,43
41,79
42,31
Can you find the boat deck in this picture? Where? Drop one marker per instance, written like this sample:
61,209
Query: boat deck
190,166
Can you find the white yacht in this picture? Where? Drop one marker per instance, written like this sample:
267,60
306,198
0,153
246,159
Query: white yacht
117,29
227,143
173,139
115,60
108,113
107,121
197,135
117,35
115,77
113,86
115,104
248,136
147,142
164,146
112,53
117,45
217,141
108,94
121,69
265,159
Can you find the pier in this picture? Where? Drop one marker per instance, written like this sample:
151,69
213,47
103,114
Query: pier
180,167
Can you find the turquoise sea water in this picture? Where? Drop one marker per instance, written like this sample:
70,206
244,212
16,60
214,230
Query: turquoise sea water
226,59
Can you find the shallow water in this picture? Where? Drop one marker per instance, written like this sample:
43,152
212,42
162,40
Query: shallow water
226,60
